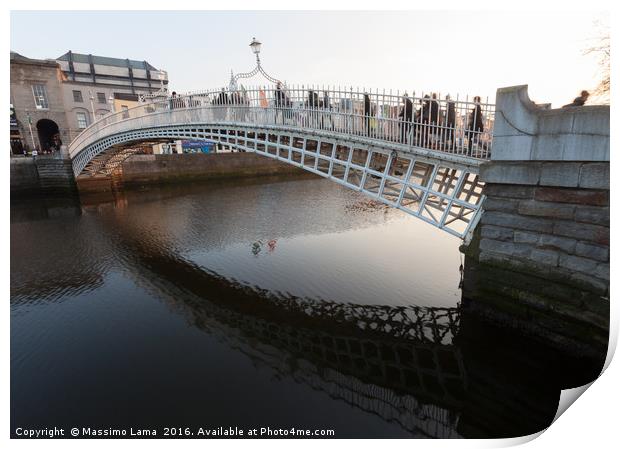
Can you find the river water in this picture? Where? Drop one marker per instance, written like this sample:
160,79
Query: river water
259,304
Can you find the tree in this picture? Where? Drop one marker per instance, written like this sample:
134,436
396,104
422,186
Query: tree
601,49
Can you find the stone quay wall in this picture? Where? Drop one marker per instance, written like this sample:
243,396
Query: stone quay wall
167,168
540,253
551,222
157,169
41,176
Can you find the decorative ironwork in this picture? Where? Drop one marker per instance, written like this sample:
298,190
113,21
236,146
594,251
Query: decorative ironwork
258,69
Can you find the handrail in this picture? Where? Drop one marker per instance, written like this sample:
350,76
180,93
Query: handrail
458,126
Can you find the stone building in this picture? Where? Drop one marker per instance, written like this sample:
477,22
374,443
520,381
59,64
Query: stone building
37,103
94,86
57,99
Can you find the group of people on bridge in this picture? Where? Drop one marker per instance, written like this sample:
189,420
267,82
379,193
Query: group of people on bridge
445,125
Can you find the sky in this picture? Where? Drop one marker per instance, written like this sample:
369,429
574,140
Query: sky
465,53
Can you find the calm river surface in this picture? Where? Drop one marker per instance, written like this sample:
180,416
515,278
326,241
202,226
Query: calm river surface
257,304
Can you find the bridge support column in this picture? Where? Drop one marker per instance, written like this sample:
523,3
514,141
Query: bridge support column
540,255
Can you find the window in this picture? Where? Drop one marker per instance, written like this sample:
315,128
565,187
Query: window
101,98
40,96
82,120
125,111
77,96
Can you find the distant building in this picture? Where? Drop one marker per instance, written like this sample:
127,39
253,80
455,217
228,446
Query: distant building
94,86
38,117
57,99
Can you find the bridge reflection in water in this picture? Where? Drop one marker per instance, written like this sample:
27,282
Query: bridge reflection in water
431,371
437,372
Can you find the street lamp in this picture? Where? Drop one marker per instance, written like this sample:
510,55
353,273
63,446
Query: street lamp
111,100
255,47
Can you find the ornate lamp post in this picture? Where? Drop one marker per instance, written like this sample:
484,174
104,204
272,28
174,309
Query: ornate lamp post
255,47
159,95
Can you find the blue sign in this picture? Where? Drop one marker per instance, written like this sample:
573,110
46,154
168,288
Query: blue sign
197,146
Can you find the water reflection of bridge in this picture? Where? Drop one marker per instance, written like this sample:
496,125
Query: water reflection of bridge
396,362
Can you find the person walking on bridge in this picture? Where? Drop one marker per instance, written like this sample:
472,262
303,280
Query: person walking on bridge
406,116
450,121
326,116
367,114
221,101
281,101
312,105
579,101
475,126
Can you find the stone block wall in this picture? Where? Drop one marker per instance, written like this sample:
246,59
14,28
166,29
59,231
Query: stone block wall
170,168
41,177
540,256
534,216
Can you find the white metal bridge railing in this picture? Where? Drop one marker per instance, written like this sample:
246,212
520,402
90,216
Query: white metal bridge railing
459,126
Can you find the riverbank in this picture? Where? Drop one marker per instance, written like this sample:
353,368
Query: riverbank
143,170
43,177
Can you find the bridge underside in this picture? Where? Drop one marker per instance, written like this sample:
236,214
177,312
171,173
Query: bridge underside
443,191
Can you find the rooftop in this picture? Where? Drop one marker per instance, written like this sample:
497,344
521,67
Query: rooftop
104,60
16,57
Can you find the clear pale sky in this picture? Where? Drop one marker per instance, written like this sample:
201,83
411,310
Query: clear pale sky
446,51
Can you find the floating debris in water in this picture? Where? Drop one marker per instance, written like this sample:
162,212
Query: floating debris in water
366,205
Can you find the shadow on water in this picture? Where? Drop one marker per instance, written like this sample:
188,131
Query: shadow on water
435,372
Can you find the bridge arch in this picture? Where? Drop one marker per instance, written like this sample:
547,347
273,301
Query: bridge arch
439,185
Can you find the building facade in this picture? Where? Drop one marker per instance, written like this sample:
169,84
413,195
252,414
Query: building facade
53,100
94,86
38,117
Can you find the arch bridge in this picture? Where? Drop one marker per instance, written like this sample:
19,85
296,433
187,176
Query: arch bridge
418,154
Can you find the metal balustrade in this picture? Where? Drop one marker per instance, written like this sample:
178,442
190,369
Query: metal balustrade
459,126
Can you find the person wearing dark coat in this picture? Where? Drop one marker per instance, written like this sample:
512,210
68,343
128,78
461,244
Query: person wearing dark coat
221,100
367,114
281,101
312,103
313,99
475,126
450,120
434,116
425,118
326,117
579,101
405,116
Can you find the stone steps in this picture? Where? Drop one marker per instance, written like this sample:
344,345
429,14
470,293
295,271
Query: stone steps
55,174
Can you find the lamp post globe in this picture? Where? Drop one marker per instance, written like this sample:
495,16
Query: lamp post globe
255,46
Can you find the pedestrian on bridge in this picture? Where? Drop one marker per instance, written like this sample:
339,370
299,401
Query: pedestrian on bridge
450,122
281,101
475,126
326,106
367,114
312,106
406,116
221,101
579,101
